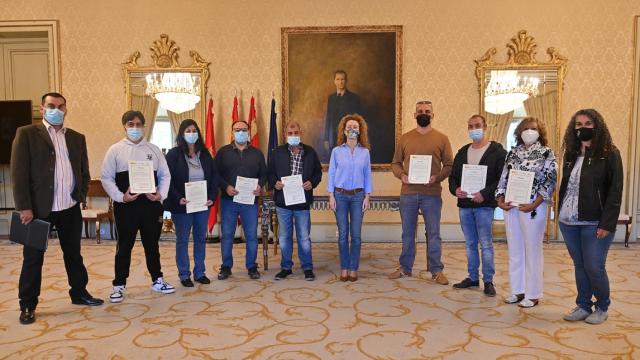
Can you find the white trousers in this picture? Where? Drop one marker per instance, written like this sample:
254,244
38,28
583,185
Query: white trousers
526,260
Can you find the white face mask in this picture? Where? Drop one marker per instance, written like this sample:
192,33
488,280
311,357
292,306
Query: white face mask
530,136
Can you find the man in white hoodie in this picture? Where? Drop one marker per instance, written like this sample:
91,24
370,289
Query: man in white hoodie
136,212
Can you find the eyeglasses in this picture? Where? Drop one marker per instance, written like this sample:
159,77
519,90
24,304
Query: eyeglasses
241,130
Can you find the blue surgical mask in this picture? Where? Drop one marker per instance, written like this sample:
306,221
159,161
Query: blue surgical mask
352,133
135,134
54,116
191,137
476,134
293,140
241,137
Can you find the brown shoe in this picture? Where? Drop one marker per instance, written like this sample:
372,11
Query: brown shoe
344,278
399,274
353,276
440,278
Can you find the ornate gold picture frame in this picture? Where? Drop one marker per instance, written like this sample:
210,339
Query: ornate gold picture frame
370,57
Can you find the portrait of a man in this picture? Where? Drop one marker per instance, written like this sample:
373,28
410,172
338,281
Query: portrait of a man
330,72
340,103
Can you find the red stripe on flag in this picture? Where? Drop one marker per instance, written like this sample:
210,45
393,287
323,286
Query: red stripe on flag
210,144
253,124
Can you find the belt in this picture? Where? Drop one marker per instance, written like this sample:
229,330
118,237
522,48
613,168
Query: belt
348,192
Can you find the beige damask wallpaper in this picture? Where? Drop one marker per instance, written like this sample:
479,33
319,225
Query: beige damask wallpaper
242,40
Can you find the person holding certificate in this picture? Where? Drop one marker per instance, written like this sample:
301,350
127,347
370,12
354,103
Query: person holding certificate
242,173
529,174
421,190
590,199
50,176
193,189
474,178
349,187
128,168
294,171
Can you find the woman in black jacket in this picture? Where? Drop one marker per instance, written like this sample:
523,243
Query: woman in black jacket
188,162
590,199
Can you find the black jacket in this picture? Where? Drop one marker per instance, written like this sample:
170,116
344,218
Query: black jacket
33,162
180,175
600,193
494,159
232,162
338,107
280,166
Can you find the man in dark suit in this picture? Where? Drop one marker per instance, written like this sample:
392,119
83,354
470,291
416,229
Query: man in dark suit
50,172
339,104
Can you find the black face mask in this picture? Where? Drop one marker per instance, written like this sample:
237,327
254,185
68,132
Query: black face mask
585,134
423,120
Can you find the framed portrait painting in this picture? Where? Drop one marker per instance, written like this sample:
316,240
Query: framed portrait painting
330,72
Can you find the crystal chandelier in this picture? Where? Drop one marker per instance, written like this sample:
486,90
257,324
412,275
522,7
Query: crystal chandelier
506,91
176,92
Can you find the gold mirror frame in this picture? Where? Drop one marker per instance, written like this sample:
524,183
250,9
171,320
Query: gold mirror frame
164,53
521,52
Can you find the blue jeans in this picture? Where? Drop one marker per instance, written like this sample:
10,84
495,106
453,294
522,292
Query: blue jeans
589,256
476,225
349,218
249,218
184,223
430,206
302,219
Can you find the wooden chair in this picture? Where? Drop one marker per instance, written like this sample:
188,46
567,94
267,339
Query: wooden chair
625,220
98,215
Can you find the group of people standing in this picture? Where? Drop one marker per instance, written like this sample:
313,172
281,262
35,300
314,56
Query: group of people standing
589,202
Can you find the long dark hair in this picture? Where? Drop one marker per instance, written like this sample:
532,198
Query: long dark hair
181,143
601,144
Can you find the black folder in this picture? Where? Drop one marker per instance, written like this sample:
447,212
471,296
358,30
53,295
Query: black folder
35,234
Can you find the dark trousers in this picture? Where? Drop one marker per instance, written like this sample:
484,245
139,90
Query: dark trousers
145,216
69,225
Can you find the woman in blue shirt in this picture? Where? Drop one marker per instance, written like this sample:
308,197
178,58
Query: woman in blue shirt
349,188
190,161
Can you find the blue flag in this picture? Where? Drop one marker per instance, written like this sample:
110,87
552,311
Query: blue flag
273,131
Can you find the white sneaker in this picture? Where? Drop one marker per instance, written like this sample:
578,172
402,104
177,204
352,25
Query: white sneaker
596,317
117,294
577,314
162,286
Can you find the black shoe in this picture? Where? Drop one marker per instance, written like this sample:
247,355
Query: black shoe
27,316
466,283
309,275
203,280
489,289
283,274
86,299
254,274
224,273
187,282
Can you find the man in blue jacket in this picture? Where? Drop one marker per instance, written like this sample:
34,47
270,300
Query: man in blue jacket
294,158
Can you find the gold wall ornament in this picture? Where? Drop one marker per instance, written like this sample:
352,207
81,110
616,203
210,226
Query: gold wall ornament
164,52
524,70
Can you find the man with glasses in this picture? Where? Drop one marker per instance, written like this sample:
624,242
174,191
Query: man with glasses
426,198
239,159
136,212
50,172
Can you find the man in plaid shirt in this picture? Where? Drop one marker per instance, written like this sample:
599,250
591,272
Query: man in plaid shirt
290,159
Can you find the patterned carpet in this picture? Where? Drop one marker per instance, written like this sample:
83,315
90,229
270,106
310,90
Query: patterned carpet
373,318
